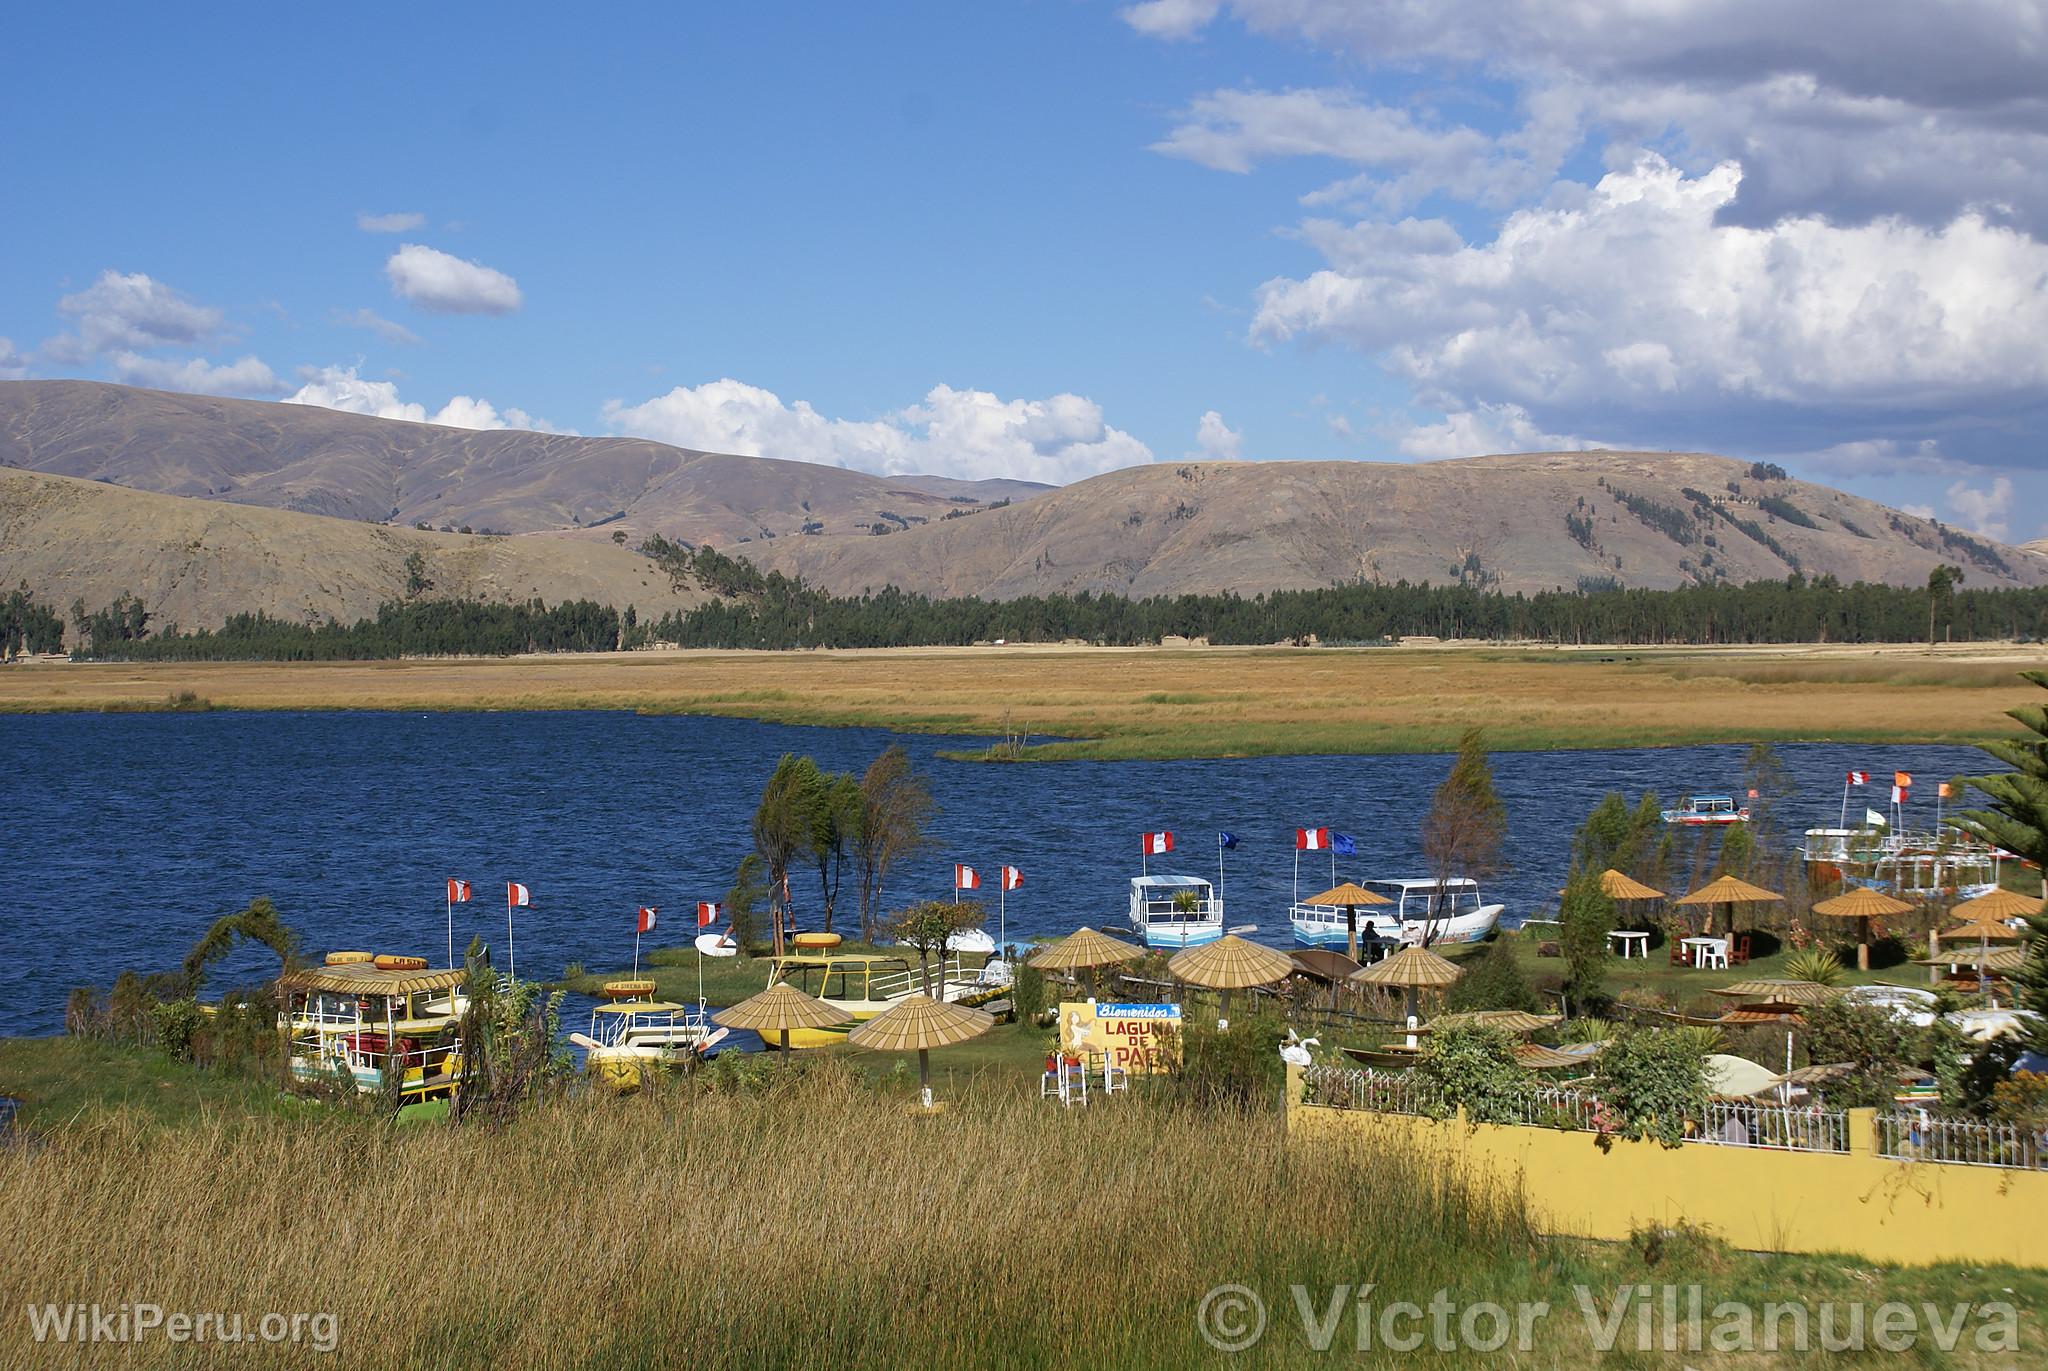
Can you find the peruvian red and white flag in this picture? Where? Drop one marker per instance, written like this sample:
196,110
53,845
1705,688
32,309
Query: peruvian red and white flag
1311,839
1012,878
517,895
1902,779
647,913
707,913
458,891
1859,778
965,877
1155,844
1899,794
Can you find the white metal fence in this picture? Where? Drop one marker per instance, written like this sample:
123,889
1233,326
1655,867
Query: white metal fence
1918,1136
1795,1128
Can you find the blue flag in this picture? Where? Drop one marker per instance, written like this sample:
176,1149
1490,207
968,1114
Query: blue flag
1226,840
1343,845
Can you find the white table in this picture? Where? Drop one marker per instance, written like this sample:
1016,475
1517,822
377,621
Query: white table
1706,952
1630,943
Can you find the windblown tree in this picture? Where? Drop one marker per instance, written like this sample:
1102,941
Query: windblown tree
927,925
783,828
835,828
1466,826
2017,820
259,922
895,804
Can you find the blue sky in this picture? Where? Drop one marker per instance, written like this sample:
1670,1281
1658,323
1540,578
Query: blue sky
1047,239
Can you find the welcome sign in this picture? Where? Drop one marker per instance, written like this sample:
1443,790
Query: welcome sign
1136,1038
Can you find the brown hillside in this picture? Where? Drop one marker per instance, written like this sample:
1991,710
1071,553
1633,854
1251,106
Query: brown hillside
193,562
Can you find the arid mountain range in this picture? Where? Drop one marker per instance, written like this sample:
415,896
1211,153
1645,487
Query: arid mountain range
206,506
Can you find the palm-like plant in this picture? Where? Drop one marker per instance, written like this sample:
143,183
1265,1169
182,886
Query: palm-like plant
1815,964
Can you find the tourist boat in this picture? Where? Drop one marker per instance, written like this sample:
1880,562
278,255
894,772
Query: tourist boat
1912,866
1419,912
1706,811
632,1030
1175,911
864,984
377,1022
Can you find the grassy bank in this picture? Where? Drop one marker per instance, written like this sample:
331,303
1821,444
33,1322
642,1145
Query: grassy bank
819,1224
1159,702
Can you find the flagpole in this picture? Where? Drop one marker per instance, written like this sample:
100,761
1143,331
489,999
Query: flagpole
636,949
1297,873
1845,804
451,925
511,960
1219,866
1002,905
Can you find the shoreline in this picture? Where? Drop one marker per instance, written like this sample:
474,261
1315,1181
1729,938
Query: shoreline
1156,703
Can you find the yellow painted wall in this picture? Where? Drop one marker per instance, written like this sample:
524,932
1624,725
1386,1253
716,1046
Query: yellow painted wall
1860,1203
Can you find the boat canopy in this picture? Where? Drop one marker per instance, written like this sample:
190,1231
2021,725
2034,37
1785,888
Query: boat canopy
368,980
630,1007
1151,883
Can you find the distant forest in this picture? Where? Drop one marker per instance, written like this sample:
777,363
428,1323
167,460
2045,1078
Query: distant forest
768,610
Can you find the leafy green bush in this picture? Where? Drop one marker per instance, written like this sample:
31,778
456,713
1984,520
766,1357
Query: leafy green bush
1027,992
1492,980
1587,913
1234,1068
177,1024
1473,1067
1651,1082
1868,1038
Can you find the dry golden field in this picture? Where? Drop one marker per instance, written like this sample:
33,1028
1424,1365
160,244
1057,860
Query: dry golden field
1161,702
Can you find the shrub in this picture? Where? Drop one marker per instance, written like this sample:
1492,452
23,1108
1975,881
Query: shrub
1869,1039
1587,913
176,1023
1492,980
1027,992
1234,1068
1815,964
1651,1082
1473,1066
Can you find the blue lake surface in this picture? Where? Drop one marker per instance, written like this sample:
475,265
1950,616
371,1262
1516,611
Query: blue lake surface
123,836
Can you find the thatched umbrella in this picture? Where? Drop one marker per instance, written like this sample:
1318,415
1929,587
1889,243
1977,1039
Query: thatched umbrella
1230,963
1730,891
1619,885
1775,1000
1413,969
918,1023
1986,918
1350,895
1862,904
1516,1021
1084,950
1323,964
778,1009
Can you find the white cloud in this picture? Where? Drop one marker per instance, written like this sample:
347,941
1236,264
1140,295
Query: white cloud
389,330
1632,296
1867,457
132,311
1217,440
1918,511
1988,512
13,364
341,388
1487,428
967,433
403,222
447,284
1170,19
195,375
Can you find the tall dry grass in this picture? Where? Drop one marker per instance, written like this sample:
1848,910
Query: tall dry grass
821,1226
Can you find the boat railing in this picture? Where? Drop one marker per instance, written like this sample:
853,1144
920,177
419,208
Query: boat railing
1917,1136
1207,910
953,973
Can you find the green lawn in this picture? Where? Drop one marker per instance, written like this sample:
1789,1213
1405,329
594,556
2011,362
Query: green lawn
59,1079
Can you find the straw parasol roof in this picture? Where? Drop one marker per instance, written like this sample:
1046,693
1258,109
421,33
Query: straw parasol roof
1770,990
1981,930
778,1010
2005,958
1997,907
1618,885
358,979
1415,968
1861,902
1730,890
1082,949
1507,1020
1976,954
1347,894
1761,1013
1531,1057
918,1023
1230,963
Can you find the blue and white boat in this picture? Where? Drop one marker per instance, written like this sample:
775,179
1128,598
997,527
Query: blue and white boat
1175,911
1418,912
1706,811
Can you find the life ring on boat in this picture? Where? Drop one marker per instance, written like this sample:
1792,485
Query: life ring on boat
349,958
386,962
626,990
816,940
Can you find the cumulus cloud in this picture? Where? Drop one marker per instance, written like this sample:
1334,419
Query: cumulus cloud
1217,440
967,433
13,363
446,284
195,375
1633,297
1170,19
1484,429
389,330
341,388
130,311
404,222
1988,512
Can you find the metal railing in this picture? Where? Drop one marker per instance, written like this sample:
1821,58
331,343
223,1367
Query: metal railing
1379,1092
1787,1128
1918,1136
1562,1107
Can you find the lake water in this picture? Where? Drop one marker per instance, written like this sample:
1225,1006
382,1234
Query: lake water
123,836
